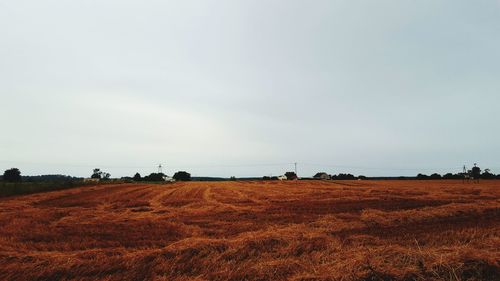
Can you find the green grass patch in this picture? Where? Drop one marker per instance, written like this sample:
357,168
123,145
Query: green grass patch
21,188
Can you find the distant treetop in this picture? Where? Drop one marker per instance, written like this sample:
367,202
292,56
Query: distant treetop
182,176
12,175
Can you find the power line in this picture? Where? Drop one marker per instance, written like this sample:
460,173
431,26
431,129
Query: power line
144,167
375,168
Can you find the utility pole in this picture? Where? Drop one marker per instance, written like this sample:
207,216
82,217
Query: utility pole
465,175
160,169
296,169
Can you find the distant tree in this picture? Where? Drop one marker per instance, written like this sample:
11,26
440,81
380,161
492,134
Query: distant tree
233,178
348,176
137,177
155,177
12,175
96,174
182,176
362,177
291,176
266,178
422,177
47,178
435,176
342,176
450,176
487,174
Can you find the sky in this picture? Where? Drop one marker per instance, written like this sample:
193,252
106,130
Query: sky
246,88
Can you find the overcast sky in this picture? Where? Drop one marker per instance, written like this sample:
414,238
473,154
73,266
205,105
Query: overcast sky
244,88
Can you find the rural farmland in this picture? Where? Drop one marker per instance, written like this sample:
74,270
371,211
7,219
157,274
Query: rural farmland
255,230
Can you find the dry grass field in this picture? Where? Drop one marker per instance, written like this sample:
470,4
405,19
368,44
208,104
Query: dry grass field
306,230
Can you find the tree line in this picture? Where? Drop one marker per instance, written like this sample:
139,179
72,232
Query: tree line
475,173
14,175
156,177
153,177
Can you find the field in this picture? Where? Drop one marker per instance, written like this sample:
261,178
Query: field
299,230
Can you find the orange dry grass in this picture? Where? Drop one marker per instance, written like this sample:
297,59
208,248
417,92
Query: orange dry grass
349,230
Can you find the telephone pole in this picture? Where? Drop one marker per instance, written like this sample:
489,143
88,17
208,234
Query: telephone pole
296,169
465,175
